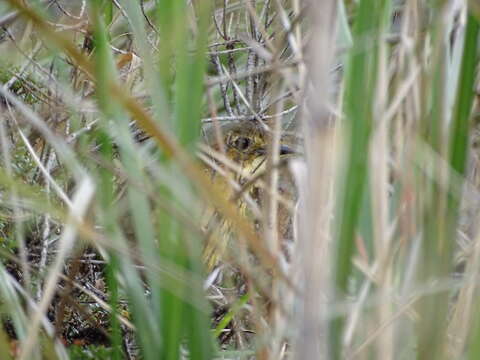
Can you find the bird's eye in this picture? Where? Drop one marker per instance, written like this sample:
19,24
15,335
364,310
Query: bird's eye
242,143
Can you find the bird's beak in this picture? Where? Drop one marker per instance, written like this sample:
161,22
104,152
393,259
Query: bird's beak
284,150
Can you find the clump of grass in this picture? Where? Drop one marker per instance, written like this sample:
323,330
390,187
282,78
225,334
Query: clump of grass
115,137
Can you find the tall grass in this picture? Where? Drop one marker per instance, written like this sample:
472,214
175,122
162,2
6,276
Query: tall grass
109,168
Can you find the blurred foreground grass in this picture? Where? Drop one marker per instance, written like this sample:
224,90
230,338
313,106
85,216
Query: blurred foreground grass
326,153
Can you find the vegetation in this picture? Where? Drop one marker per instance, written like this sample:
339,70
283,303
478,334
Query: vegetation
252,179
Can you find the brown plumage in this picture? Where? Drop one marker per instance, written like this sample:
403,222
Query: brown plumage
245,145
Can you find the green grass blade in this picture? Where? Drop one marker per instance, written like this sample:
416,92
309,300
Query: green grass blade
358,106
461,126
147,329
441,209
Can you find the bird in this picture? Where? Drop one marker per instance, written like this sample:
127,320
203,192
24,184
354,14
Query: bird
236,159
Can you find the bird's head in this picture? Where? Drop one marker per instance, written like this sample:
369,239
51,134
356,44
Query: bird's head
246,143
